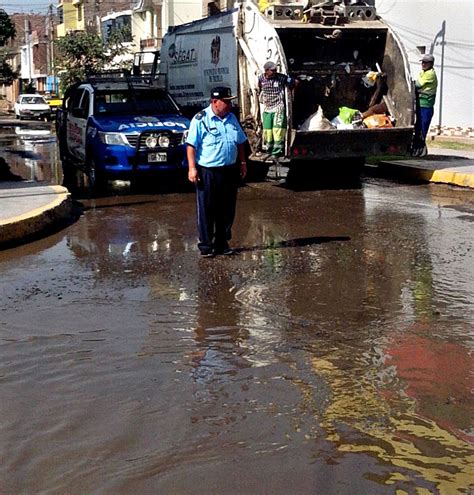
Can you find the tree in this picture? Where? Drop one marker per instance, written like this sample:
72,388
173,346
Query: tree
84,53
7,74
7,32
7,28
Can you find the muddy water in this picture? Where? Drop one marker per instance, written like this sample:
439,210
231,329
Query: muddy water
333,354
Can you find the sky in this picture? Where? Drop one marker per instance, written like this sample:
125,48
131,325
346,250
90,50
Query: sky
25,6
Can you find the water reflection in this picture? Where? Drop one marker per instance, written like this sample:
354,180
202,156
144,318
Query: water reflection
218,335
126,238
345,352
31,153
393,395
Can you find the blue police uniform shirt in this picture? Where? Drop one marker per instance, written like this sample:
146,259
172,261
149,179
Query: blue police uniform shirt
214,139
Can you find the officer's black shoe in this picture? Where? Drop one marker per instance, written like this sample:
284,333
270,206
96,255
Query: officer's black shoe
207,254
225,250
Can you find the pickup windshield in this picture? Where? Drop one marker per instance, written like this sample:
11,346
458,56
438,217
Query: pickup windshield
143,102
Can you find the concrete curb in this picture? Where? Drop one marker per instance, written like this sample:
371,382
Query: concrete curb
23,227
460,173
454,177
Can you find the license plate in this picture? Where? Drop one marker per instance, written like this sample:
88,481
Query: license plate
157,157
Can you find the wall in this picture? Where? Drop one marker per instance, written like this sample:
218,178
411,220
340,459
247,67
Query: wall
417,22
178,12
69,19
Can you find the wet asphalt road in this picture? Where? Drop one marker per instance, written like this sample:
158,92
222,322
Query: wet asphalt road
332,354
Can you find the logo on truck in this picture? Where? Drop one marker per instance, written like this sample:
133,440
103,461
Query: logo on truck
215,50
180,56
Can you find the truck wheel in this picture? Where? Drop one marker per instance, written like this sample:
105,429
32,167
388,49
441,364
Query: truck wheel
69,174
97,181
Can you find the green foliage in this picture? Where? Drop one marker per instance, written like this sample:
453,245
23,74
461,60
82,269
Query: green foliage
7,32
29,89
7,75
7,28
84,53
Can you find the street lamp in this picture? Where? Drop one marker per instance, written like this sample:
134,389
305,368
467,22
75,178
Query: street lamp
441,34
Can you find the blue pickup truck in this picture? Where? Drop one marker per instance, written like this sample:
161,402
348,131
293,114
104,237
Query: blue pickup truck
126,128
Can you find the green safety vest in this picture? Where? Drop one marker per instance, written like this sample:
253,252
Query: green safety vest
427,84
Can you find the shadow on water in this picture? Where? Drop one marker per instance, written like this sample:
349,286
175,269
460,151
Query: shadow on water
298,242
161,183
325,175
116,201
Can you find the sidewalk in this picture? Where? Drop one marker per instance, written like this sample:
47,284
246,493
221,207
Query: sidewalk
28,208
442,166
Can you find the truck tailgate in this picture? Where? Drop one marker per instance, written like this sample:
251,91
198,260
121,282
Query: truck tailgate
330,144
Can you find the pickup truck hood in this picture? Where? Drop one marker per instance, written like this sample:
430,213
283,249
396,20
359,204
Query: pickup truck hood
137,123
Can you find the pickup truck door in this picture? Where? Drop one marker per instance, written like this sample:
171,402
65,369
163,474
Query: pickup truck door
77,117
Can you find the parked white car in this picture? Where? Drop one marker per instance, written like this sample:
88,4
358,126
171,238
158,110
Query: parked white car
32,107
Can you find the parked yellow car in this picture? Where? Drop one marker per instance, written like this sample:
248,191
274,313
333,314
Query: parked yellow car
54,102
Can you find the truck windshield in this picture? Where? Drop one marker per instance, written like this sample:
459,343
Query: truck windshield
143,102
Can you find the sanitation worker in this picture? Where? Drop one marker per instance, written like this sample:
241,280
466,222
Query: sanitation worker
426,86
271,88
216,159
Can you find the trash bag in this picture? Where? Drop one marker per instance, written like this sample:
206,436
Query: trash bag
377,120
316,122
346,114
370,79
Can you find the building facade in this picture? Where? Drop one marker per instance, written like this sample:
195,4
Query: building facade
30,54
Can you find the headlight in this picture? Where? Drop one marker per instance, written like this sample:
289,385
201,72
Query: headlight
164,141
112,138
151,141
185,136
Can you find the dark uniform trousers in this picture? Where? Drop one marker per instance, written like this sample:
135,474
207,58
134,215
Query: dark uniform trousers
216,199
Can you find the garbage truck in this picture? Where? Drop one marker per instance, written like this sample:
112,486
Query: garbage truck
335,50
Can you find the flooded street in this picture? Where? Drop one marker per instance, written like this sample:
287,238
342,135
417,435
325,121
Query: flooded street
332,354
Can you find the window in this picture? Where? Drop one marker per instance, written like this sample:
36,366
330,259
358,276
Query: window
85,102
60,15
144,102
80,12
121,23
76,99
33,100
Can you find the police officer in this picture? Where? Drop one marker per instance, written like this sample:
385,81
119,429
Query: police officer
216,157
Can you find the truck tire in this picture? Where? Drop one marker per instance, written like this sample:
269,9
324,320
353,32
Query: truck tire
69,174
97,181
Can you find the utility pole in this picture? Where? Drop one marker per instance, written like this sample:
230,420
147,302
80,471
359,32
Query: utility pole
97,12
28,50
51,47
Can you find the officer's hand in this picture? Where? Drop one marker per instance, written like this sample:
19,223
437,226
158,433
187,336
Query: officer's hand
243,170
193,175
